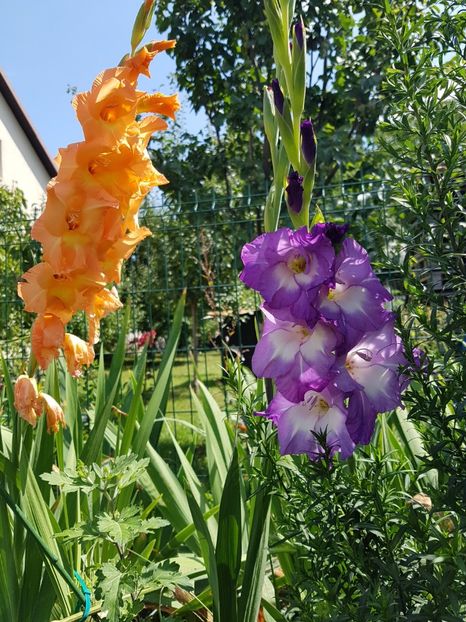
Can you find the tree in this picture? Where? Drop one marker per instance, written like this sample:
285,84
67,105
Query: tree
224,59
17,253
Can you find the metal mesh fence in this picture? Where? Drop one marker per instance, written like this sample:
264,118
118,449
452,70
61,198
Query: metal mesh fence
194,246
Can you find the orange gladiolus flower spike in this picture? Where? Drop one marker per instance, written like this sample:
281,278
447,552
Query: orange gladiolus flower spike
90,224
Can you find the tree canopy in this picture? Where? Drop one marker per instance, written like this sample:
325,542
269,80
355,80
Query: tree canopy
224,59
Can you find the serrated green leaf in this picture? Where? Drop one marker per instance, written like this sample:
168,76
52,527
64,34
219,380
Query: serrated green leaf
154,523
109,590
121,528
165,575
69,480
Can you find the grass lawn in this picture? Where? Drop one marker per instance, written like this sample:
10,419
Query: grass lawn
180,407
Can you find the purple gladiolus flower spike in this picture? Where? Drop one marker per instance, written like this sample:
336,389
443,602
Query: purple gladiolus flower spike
308,142
287,268
278,98
356,301
369,374
317,413
294,192
299,358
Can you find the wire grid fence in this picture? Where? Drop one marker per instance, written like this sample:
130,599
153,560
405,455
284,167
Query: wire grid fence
195,246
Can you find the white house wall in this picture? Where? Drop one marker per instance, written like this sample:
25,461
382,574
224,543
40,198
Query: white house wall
20,166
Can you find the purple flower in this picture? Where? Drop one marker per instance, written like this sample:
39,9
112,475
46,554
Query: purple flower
369,375
294,192
298,424
278,98
356,300
287,267
299,358
308,142
332,230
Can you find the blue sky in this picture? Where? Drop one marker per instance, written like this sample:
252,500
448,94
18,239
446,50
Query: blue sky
46,45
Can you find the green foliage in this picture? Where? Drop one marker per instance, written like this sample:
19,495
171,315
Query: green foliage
124,574
427,132
16,254
73,519
116,582
224,59
362,548
382,536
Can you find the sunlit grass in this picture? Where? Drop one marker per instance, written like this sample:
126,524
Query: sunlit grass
181,413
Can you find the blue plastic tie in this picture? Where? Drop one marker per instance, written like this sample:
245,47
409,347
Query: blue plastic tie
87,595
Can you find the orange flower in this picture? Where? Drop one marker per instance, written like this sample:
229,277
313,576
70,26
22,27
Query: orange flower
139,63
112,103
68,234
102,304
121,250
125,170
27,401
156,102
53,412
47,335
77,353
108,107
44,291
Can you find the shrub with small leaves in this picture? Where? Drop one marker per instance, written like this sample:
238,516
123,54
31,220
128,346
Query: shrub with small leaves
113,538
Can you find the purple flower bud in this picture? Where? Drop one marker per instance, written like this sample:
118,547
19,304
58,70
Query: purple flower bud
278,96
298,31
308,142
294,192
332,230
420,362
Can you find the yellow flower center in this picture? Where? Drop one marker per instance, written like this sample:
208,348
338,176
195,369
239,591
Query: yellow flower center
318,406
303,332
322,406
297,264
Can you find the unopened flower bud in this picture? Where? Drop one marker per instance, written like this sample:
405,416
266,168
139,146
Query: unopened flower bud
278,98
27,401
298,31
294,192
332,230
